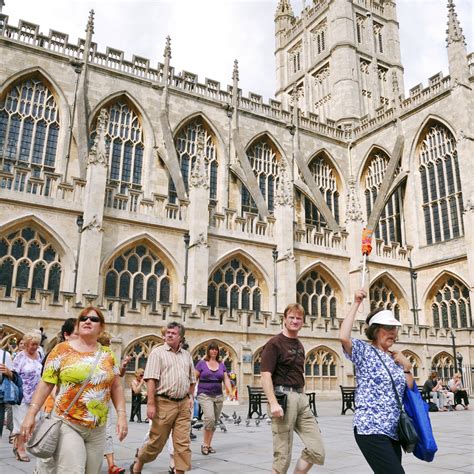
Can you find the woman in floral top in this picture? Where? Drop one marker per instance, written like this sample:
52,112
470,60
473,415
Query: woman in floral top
377,412
82,435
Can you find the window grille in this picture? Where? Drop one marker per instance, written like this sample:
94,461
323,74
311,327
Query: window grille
295,58
321,369
319,37
381,296
390,224
378,34
264,162
415,363
140,350
360,26
316,295
225,355
233,285
451,305
186,148
29,127
124,140
138,274
440,185
28,260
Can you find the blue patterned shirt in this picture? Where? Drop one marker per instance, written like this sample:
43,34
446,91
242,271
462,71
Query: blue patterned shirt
377,409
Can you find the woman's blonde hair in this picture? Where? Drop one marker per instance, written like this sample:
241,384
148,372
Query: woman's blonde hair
32,336
139,371
105,338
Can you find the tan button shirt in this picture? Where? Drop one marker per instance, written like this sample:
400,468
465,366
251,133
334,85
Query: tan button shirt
174,371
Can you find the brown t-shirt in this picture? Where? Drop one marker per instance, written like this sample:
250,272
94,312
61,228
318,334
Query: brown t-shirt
284,358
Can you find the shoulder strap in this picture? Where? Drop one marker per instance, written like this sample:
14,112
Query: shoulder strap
83,386
391,378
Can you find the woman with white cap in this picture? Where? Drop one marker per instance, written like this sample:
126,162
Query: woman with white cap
377,411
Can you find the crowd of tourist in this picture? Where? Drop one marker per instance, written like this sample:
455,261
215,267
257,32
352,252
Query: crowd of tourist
78,381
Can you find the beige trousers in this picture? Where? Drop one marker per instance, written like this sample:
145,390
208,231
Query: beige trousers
299,419
211,410
80,451
170,417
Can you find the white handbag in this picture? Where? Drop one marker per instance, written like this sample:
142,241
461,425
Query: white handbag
44,440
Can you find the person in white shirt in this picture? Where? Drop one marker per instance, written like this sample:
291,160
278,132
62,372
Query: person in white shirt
5,371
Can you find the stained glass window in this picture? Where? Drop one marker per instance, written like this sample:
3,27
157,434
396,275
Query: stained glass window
314,293
451,305
225,355
381,296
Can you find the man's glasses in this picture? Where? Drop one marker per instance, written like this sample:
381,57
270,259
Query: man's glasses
94,319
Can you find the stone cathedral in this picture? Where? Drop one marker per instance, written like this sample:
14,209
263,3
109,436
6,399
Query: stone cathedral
159,196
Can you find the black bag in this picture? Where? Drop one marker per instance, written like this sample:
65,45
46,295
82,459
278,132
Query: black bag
432,407
282,399
407,434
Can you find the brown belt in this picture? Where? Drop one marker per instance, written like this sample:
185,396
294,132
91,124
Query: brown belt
173,399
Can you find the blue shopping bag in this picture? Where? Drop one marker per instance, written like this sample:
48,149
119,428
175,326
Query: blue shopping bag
417,410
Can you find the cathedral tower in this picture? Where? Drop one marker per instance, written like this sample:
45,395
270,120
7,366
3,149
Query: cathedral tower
341,55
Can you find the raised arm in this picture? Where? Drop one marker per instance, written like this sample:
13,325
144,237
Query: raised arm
346,326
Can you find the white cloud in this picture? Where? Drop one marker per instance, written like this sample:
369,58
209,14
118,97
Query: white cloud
207,35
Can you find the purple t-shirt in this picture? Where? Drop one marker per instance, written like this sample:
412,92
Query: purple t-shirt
210,381
30,372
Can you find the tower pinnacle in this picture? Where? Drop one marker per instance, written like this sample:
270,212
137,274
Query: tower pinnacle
454,31
167,53
90,23
284,8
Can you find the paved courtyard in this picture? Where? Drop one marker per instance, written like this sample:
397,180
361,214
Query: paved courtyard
248,450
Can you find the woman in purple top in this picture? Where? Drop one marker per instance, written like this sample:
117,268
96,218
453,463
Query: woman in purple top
210,373
27,364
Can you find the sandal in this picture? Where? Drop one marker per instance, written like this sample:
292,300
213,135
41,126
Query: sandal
116,470
204,450
171,470
21,458
131,469
211,450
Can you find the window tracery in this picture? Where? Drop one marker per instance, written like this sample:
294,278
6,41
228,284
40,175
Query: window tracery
316,295
257,362
443,364
140,351
225,355
294,56
29,127
451,305
381,296
138,274
186,149
124,140
10,339
440,185
378,34
389,227
415,363
264,162
321,369
28,260
360,27
319,37
233,285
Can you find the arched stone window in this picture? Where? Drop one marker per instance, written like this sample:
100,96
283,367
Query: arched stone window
263,159
233,285
140,350
440,185
186,149
138,274
28,260
415,363
443,364
381,296
225,355
124,140
257,362
390,225
29,127
451,305
316,295
321,369
324,175
10,339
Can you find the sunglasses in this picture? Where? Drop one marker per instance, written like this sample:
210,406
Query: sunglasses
94,319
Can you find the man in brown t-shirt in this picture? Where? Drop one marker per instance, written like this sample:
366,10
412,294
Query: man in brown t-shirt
283,372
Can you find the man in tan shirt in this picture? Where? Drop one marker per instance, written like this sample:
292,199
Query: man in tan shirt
170,378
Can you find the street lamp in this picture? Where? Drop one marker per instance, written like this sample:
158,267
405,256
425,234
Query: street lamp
187,239
79,224
275,276
453,341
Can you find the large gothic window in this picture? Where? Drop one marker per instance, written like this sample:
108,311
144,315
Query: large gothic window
264,162
138,274
257,362
29,127
415,363
440,185
140,351
124,139
325,177
233,285
389,227
451,305
443,364
381,296
10,339
321,369
28,260
186,149
316,295
225,355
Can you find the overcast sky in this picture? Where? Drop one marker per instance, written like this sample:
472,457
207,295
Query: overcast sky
207,35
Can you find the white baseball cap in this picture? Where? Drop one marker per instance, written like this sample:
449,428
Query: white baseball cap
386,318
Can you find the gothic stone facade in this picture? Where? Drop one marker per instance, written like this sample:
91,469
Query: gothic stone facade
161,198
